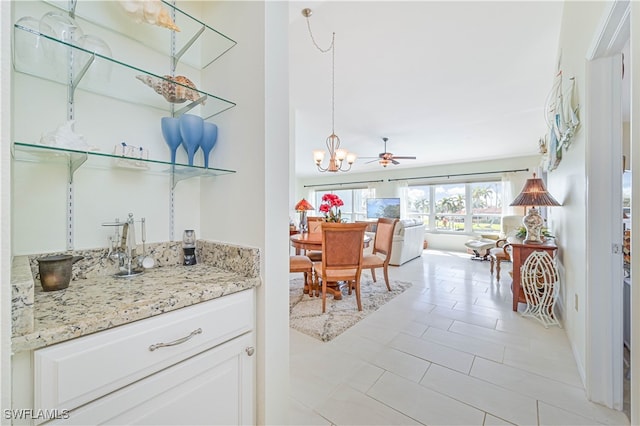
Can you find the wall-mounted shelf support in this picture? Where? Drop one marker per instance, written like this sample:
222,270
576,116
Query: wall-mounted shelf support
172,194
78,77
69,209
178,55
76,160
178,175
72,8
190,106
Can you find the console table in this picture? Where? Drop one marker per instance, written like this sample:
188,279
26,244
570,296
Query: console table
519,253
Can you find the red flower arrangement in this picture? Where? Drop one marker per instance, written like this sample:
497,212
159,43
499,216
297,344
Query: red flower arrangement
329,206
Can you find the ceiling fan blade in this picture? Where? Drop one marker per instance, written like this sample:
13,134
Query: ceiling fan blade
394,161
368,158
404,158
372,161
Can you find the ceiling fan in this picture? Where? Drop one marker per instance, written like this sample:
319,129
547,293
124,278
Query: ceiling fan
384,158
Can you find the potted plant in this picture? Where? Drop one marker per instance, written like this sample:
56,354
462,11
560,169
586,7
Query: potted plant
521,233
330,207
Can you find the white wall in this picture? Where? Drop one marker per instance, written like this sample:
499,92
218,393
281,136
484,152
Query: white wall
250,207
568,182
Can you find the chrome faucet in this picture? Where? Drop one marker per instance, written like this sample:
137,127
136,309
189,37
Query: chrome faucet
129,264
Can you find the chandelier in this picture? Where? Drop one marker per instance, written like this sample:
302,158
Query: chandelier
340,160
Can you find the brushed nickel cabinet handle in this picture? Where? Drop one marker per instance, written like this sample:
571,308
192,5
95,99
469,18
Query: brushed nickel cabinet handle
175,342
250,350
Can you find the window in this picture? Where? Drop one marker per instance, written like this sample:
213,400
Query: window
459,207
486,207
418,205
355,202
450,207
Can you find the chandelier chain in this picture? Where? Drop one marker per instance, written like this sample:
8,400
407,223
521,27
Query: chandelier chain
314,40
333,141
332,48
333,82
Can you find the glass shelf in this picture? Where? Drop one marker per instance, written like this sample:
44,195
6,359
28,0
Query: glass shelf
104,75
155,37
75,158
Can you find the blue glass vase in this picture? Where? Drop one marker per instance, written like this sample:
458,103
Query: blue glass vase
191,129
171,133
209,139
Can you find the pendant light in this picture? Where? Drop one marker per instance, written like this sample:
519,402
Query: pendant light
340,160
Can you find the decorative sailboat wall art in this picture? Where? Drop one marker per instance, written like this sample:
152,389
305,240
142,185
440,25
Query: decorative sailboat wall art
563,121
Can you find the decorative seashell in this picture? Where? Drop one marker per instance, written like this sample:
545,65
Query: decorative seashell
149,11
174,93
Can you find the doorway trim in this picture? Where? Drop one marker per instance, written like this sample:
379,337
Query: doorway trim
604,337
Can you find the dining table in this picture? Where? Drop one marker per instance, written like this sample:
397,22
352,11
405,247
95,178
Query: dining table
313,241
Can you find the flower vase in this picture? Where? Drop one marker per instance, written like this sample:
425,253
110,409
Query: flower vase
191,130
171,133
209,139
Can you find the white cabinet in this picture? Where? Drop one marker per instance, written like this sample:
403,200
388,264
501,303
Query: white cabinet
194,365
214,387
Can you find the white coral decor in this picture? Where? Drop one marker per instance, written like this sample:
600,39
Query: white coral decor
65,137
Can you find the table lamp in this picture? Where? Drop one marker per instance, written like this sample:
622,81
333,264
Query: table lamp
534,194
302,206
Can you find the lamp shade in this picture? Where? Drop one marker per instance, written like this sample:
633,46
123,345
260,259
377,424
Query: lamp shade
303,205
534,193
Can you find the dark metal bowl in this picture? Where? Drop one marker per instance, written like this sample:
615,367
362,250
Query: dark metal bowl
55,271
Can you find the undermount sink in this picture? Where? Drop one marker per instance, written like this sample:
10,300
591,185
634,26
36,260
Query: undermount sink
128,274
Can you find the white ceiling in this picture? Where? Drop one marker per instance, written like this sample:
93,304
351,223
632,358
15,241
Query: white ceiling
446,81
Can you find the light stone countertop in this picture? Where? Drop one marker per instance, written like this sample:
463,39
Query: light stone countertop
102,302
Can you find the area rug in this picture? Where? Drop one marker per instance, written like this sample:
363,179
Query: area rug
305,313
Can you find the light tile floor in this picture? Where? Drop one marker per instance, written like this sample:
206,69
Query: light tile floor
447,351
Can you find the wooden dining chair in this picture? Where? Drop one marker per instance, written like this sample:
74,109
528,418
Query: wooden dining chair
381,254
314,224
300,263
342,246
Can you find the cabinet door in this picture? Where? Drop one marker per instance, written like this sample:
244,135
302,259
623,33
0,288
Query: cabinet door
214,387
76,372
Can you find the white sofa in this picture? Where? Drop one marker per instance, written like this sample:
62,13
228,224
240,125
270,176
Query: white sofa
408,241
